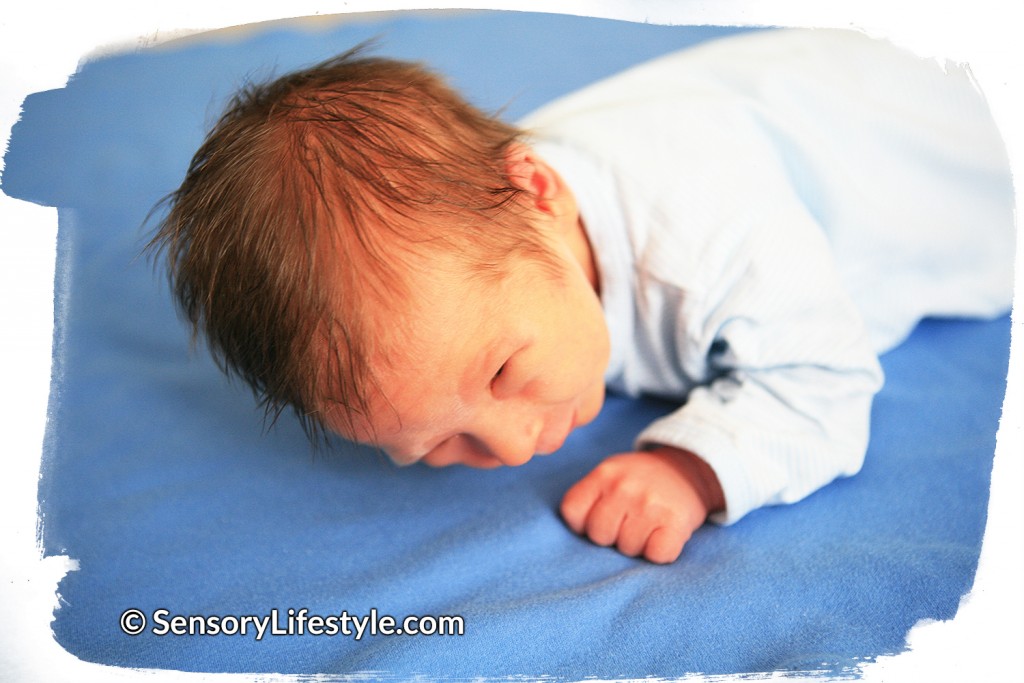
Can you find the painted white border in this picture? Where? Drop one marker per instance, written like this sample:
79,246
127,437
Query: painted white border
41,44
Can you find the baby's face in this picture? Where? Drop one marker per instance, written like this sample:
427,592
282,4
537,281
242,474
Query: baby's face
493,373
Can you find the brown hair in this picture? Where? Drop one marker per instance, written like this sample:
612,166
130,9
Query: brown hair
364,164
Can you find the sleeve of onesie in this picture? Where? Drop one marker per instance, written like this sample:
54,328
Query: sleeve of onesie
783,369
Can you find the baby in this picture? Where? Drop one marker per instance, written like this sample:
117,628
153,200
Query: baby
742,226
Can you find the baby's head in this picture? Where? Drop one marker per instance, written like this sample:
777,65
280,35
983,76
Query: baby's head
357,242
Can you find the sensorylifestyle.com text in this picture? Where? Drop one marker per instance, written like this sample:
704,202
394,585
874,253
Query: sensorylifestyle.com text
292,622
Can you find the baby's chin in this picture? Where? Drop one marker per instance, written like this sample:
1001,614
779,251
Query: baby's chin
588,413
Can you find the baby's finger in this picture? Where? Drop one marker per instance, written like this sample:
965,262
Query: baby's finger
633,535
665,544
604,521
576,504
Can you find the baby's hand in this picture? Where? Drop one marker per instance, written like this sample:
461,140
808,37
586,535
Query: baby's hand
644,502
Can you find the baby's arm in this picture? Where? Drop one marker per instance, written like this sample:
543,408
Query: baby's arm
644,502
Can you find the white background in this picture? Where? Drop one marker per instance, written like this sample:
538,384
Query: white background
41,44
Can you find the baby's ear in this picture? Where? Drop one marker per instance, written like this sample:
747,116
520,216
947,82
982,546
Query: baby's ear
529,172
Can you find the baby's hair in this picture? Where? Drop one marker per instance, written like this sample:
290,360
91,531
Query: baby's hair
292,235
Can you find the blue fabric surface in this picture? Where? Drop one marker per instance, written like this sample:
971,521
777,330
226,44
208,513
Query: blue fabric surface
159,478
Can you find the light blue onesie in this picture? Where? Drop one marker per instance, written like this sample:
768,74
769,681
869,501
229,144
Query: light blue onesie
768,212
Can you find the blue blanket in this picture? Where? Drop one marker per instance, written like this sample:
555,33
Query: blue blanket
159,477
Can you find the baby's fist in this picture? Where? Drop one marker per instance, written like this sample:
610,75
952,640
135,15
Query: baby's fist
644,502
